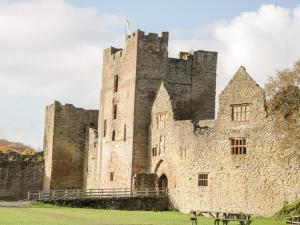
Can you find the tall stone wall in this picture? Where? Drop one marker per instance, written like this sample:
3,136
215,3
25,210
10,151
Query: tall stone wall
141,68
90,176
65,132
20,174
257,182
115,156
203,85
152,68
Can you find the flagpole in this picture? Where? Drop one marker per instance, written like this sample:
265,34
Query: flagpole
125,33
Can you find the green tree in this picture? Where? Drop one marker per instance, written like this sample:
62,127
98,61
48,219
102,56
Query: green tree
283,100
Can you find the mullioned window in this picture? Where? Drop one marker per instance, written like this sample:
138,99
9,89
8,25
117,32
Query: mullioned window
240,112
238,146
203,179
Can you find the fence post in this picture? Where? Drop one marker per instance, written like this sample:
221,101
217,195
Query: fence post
28,195
90,192
39,194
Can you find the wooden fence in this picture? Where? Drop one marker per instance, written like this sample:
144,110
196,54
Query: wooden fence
96,193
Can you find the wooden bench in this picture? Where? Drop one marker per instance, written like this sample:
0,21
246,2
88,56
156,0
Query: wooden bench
223,217
241,221
294,220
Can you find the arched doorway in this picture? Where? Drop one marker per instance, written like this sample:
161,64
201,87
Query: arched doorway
163,182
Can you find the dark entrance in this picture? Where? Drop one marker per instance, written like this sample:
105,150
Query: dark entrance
163,182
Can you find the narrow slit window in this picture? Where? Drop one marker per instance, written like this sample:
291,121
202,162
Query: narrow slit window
113,136
124,138
104,128
111,177
115,111
116,83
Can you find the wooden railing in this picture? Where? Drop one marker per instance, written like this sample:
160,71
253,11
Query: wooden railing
96,193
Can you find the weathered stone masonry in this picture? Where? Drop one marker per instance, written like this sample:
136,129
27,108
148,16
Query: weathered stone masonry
140,69
20,174
157,127
257,181
64,145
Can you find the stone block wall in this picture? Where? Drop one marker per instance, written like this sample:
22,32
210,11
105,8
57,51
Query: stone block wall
64,144
91,178
257,182
20,174
115,161
145,180
141,68
115,203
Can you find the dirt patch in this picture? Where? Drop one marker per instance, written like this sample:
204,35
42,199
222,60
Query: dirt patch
15,204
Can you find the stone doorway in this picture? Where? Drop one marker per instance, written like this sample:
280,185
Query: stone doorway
163,182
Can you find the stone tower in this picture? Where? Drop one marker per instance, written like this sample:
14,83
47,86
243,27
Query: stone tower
130,81
64,145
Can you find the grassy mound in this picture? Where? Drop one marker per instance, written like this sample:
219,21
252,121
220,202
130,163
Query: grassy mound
288,210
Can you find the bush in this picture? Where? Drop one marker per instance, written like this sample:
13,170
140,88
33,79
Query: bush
288,210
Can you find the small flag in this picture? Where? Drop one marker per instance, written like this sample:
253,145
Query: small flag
127,27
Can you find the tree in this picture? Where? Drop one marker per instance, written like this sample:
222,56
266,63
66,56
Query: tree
282,80
283,100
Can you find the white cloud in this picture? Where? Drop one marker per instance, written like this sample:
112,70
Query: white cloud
49,50
263,41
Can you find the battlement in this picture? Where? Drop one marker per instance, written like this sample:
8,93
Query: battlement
114,53
138,39
185,55
150,36
58,105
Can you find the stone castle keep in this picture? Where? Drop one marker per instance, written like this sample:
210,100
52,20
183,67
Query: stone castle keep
156,127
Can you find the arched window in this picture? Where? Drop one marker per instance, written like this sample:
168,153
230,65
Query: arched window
124,132
104,128
113,136
116,83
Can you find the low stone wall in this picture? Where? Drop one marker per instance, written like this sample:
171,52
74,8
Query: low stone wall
20,174
122,203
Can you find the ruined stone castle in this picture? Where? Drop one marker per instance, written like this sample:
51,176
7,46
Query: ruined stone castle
156,127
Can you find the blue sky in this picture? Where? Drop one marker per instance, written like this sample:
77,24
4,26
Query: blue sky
52,49
158,15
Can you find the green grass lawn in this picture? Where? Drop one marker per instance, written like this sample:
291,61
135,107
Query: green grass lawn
48,215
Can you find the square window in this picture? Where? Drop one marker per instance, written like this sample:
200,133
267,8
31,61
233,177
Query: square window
203,179
240,112
238,146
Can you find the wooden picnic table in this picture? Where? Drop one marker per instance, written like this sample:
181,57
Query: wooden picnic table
223,217
294,220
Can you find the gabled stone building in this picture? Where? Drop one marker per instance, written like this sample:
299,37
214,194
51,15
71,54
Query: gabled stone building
232,163
157,126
